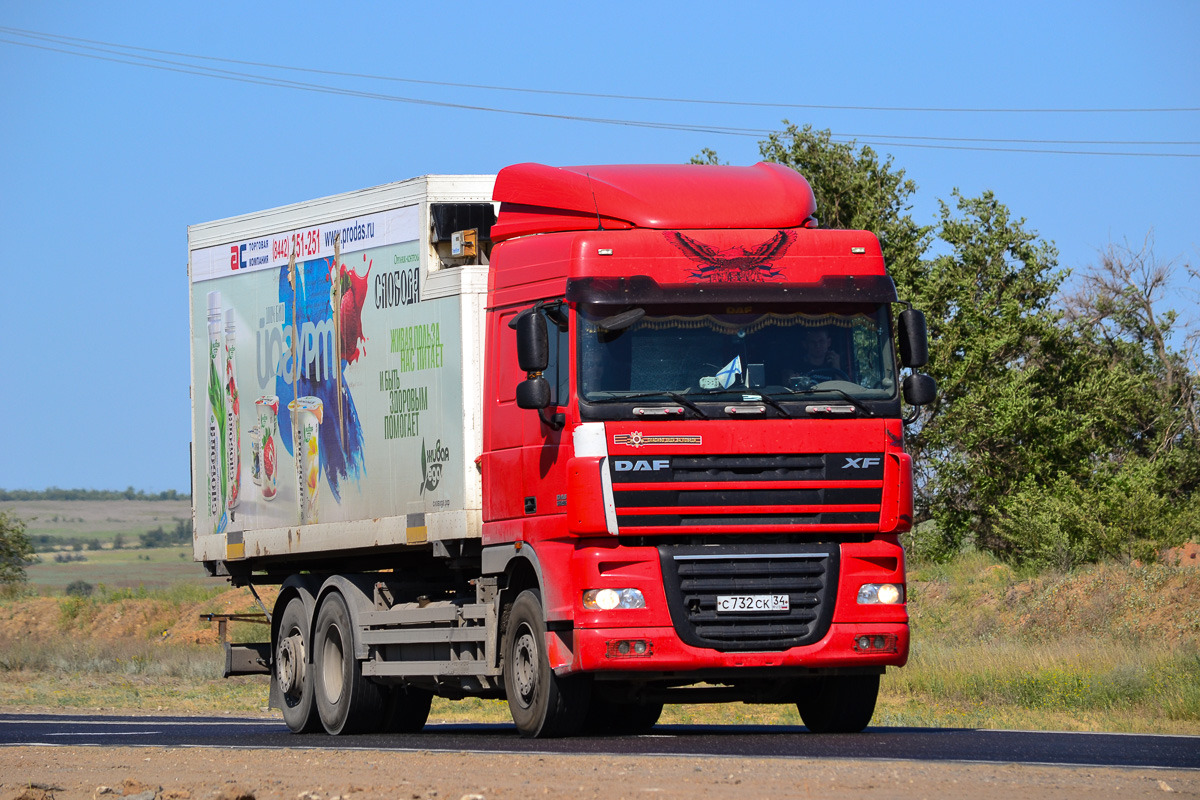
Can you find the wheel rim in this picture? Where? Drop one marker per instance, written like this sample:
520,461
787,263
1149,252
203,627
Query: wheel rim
290,664
333,668
525,658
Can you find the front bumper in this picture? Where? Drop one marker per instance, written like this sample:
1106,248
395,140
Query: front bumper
593,650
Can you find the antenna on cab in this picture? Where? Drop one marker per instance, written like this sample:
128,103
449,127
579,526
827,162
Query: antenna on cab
599,222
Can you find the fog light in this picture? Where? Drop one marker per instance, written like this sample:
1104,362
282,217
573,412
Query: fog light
880,594
609,599
628,648
876,643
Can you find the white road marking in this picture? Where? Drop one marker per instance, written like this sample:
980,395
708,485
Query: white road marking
108,733
184,723
1091,733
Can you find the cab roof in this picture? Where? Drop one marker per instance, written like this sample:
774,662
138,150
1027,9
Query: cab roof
536,198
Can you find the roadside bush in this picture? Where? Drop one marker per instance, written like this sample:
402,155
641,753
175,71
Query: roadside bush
79,589
1123,514
182,534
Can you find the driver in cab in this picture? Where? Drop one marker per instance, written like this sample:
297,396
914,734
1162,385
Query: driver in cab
818,362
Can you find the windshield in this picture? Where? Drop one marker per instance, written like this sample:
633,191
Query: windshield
766,350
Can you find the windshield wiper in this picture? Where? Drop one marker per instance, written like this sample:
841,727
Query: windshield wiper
766,398
676,396
848,397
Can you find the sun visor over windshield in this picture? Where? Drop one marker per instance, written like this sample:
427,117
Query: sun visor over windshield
643,289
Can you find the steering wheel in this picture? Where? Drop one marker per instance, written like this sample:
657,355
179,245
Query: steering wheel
820,375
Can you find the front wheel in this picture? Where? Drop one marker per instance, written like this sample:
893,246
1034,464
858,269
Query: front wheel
542,704
837,703
346,700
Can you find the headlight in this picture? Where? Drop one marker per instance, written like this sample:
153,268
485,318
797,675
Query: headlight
887,594
609,599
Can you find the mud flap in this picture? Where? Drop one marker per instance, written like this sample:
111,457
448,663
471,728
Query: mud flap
275,698
560,650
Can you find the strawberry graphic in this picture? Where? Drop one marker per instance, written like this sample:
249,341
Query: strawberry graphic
354,296
268,456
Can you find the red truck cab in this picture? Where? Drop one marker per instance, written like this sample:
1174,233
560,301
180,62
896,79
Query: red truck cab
693,470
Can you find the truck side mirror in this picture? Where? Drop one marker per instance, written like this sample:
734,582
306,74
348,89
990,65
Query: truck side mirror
533,393
533,356
533,347
919,389
914,341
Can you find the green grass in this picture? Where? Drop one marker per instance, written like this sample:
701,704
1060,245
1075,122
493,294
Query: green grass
100,520
125,675
153,568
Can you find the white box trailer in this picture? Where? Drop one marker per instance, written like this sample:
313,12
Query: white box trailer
360,433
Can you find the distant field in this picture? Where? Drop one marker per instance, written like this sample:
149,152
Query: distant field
156,568
101,520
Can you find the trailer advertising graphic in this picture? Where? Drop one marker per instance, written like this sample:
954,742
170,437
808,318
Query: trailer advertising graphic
326,391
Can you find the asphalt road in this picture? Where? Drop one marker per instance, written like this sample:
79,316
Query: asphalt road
916,744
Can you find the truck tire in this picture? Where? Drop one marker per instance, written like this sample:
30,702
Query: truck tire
407,709
543,705
346,701
837,703
621,719
293,669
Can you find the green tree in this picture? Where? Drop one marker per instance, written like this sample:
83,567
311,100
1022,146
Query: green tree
998,416
1066,429
154,538
1117,313
1133,486
15,548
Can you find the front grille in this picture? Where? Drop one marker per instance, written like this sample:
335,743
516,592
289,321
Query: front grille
695,576
836,491
755,468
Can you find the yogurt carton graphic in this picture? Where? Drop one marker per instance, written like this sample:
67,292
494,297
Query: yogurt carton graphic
233,428
216,420
267,408
307,413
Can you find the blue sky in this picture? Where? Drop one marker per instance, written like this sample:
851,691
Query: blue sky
104,165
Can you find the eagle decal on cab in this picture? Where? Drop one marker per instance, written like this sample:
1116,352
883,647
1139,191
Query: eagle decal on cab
734,264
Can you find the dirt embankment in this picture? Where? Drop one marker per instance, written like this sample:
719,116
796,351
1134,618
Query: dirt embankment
127,618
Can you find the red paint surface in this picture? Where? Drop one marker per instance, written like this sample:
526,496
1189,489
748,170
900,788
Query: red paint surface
679,226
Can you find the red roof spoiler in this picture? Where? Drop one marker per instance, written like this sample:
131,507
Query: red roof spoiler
536,198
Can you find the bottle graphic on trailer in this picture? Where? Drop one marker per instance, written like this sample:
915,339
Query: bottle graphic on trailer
233,430
256,454
268,421
306,416
214,423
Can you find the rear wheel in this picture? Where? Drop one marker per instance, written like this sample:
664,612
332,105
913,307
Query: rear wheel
838,703
346,701
293,670
542,704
